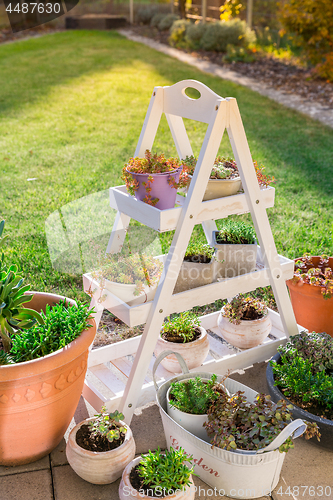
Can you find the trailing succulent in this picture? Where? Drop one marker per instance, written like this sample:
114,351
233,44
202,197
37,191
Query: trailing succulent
233,422
305,373
244,308
320,275
193,395
182,327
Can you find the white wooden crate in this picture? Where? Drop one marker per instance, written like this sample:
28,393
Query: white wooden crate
109,367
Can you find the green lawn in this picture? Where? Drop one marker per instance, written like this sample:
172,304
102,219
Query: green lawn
72,106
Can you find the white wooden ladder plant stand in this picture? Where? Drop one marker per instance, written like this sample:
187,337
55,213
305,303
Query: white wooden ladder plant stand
219,114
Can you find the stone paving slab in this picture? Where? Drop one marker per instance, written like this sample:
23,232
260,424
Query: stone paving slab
42,464
35,485
314,110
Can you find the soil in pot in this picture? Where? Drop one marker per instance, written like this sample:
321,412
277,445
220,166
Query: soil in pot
86,440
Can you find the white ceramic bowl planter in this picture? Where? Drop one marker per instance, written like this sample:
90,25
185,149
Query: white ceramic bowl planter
126,292
99,467
249,333
127,492
219,188
194,352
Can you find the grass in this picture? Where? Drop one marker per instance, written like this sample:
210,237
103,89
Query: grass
72,106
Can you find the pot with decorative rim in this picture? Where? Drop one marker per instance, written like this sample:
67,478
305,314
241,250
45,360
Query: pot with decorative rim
42,393
99,467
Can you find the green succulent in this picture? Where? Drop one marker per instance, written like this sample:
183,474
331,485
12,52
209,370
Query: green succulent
13,316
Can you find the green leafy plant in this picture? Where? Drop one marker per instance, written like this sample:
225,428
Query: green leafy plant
242,308
153,164
197,251
14,317
320,275
106,425
61,325
194,395
134,269
181,327
305,372
165,471
236,232
233,422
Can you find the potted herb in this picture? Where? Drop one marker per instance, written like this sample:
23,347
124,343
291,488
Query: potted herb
99,448
244,321
132,278
188,402
224,179
155,179
311,292
183,334
236,249
42,367
301,374
234,423
197,268
158,474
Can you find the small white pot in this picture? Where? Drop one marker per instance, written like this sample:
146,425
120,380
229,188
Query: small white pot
219,188
194,353
192,423
194,274
127,492
99,467
247,334
234,259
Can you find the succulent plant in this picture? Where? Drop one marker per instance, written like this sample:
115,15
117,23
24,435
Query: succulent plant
182,326
105,425
244,308
320,275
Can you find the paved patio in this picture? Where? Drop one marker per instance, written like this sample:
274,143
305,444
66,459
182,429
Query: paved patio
53,479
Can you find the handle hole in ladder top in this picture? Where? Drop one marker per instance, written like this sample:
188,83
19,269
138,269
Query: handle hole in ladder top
192,93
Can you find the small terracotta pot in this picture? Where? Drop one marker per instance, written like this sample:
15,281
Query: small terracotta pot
127,492
194,353
160,188
311,310
38,398
99,467
247,334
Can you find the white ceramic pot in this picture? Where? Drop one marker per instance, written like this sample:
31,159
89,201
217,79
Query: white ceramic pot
194,353
194,274
247,334
234,259
127,492
99,467
192,423
219,188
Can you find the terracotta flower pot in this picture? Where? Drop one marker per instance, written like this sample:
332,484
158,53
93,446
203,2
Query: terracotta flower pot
247,334
194,353
160,188
99,467
38,398
127,492
311,310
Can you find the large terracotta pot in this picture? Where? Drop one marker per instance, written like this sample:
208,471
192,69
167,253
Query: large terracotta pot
194,353
99,467
38,398
247,334
311,310
127,492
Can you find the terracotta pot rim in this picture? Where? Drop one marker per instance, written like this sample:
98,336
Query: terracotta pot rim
97,455
155,173
191,343
246,321
316,289
23,368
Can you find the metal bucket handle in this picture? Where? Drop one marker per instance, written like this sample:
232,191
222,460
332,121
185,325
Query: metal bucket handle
295,429
163,355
